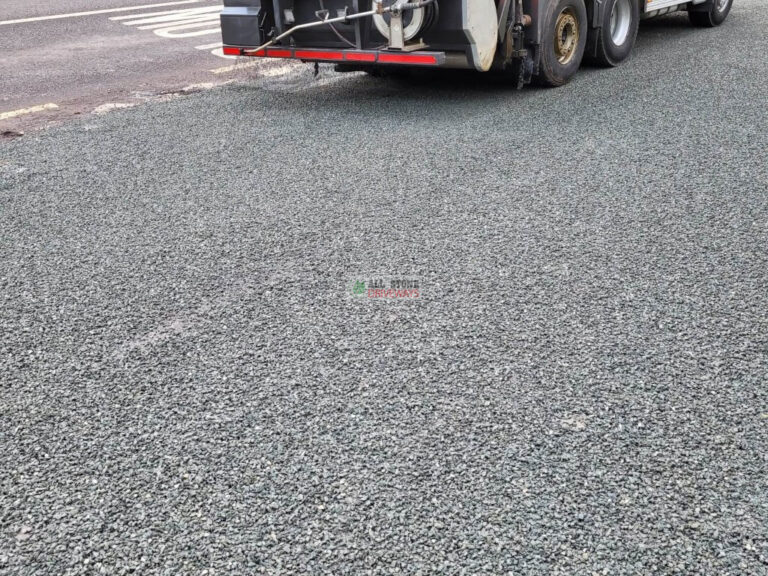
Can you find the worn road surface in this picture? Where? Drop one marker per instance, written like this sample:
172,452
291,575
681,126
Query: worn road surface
81,55
188,382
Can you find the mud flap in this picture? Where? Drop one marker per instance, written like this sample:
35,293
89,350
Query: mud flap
481,29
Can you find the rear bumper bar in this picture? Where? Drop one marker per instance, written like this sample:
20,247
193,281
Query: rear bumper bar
358,57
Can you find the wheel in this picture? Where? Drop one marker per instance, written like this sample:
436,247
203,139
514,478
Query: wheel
615,38
564,37
710,14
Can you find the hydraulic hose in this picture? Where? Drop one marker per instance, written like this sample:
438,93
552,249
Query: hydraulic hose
339,35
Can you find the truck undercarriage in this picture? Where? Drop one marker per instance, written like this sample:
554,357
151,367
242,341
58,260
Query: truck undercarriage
545,40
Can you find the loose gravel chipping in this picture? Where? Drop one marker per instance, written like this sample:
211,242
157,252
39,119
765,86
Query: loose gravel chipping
188,384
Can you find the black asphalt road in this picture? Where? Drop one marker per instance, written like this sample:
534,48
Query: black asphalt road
82,62
189,384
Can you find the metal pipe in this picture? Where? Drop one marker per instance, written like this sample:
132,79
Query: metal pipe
379,10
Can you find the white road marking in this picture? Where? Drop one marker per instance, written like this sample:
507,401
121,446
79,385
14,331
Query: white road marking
164,13
217,50
184,23
176,32
94,12
141,19
197,22
220,53
111,106
25,111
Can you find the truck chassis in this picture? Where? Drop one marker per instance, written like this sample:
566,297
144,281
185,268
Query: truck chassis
544,41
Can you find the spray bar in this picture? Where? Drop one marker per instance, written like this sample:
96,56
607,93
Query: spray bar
380,9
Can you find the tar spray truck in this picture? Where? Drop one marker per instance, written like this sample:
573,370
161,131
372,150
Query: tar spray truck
541,40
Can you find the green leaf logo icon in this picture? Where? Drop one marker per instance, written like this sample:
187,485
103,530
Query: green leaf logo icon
358,288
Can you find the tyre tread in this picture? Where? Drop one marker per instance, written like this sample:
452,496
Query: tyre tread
547,76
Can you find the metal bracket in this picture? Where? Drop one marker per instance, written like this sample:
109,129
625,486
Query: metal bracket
597,13
502,15
397,30
396,37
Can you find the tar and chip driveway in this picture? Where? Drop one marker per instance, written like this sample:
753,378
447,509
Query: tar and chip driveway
189,384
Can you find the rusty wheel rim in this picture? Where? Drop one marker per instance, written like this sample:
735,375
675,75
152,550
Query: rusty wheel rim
566,35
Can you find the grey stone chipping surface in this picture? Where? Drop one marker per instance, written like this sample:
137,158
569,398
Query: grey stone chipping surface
187,384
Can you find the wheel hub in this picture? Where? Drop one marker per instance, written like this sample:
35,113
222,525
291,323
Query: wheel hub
621,18
566,36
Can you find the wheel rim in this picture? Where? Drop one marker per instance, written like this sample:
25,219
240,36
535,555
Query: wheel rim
721,5
566,35
621,19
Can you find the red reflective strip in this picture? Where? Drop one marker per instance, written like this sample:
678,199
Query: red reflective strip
279,53
318,55
231,51
407,58
361,57
259,53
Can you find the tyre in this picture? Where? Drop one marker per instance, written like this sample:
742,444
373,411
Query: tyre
710,14
564,37
614,40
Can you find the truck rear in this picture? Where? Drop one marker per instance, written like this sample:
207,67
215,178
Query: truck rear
541,40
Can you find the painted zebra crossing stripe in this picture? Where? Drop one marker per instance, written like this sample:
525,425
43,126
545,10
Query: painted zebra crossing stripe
94,12
166,18
179,24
